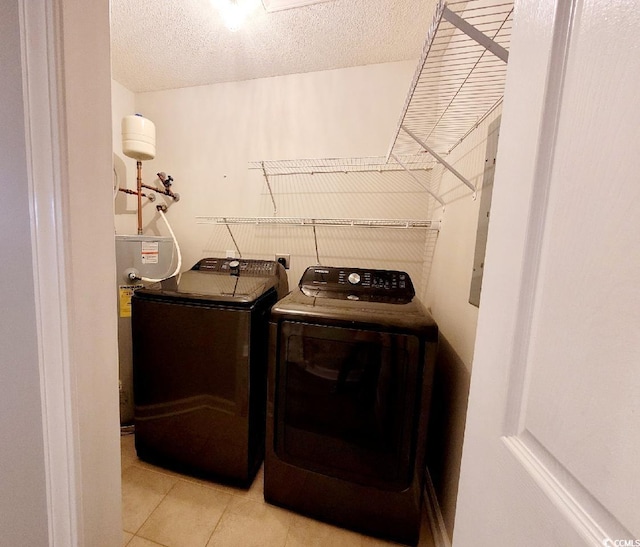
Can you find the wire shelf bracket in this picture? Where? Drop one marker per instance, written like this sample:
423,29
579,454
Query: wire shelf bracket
439,158
266,179
474,33
234,241
426,189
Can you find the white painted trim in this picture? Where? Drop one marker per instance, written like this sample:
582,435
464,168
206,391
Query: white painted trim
566,503
434,515
45,173
519,375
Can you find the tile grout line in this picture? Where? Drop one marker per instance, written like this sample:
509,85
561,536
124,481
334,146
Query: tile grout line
152,511
219,520
187,480
146,539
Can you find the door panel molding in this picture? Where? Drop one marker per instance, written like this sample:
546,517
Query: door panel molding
585,513
519,369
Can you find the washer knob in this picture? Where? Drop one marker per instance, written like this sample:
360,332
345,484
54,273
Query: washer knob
354,278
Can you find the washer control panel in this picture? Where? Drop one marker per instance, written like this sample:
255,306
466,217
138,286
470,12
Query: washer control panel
237,266
357,284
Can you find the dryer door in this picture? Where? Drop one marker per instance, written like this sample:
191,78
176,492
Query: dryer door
347,401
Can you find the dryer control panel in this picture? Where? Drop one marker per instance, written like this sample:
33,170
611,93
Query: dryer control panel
241,266
389,286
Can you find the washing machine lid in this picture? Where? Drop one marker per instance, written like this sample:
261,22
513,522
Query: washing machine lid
234,281
243,288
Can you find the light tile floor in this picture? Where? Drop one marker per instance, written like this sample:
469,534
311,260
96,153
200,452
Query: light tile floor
163,508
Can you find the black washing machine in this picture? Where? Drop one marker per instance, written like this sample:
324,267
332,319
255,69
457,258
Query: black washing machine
199,367
351,363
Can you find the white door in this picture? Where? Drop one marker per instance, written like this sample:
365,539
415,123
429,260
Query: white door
552,445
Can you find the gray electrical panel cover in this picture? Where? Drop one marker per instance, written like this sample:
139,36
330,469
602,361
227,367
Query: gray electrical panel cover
483,215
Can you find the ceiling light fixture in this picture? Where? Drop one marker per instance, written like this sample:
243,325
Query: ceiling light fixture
235,12
279,5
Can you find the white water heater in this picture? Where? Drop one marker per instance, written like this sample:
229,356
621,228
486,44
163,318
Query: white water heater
149,257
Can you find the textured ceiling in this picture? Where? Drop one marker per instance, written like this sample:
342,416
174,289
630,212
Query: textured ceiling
167,44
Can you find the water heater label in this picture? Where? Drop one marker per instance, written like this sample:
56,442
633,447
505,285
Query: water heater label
125,294
150,252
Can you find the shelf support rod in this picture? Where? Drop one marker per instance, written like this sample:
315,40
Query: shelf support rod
315,240
439,158
232,238
473,33
432,194
266,178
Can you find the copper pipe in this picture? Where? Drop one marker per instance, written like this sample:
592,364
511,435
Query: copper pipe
132,192
139,166
166,191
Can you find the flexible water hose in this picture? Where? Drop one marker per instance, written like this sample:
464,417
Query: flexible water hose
176,246
116,183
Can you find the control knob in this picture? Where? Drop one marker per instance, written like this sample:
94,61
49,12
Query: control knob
234,266
354,278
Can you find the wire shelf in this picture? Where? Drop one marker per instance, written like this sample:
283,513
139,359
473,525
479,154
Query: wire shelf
458,81
417,162
326,222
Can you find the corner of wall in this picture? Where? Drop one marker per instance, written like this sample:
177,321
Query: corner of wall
446,428
446,295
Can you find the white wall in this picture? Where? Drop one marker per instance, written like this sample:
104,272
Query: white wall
447,297
207,135
122,104
447,294
23,504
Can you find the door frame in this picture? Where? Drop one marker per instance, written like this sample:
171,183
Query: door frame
68,153
44,135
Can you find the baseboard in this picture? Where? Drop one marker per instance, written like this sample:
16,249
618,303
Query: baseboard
434,515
